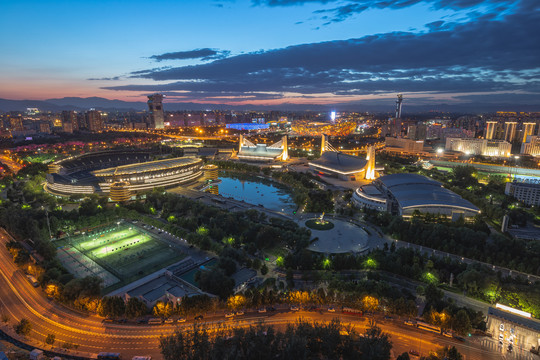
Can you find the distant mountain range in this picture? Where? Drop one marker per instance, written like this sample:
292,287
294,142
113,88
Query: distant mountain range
385,106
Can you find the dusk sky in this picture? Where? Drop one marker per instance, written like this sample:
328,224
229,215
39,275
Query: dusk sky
271,52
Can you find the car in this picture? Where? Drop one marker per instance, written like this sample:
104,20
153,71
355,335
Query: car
459,338
240,312
105,321
271,308
294,308
262,310
331,309
229,315
388,317
414,353
181,320
169,321
198,317
510,347
409,322
121,321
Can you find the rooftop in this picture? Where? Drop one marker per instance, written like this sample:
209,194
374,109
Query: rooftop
520,320
399,179
243,275
370,190
412,190
146,166
340,162
156,288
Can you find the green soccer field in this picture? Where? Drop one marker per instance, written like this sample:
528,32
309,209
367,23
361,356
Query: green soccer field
127,251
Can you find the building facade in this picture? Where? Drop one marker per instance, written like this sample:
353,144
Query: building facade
406,194
528,194
94,123
510,130
484,147
509,328
531,146
490,130
155,108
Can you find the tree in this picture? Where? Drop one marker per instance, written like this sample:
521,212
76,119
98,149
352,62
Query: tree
227,264
404,356
215,282
264,269
449,353
300,340
376,344
111,306
51,338
135,308
256,264
461,323
23,327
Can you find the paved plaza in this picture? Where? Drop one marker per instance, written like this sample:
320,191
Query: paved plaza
344,237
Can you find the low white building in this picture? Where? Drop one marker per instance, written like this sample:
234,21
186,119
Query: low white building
527,193
511,328
531,146
484,147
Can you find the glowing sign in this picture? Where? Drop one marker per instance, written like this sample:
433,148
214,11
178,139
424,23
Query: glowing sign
513,311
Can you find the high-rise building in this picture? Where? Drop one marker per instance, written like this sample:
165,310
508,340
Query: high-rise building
71,118
510,131
417,132
528,130
155,107
531,146
399,102
15,123
45,127
490,130
94,121
67,127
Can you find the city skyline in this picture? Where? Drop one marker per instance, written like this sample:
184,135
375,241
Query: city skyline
275,52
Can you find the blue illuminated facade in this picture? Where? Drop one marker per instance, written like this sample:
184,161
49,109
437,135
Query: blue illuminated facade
247,126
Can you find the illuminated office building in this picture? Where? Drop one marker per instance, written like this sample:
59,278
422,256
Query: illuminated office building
490,130
155,107
510,131
482,147
528,130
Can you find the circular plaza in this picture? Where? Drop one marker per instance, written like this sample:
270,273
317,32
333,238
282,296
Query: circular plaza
343,237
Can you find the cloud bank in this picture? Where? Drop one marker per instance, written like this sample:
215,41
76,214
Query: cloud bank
490,54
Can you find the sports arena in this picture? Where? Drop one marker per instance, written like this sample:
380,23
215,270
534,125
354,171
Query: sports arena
119,174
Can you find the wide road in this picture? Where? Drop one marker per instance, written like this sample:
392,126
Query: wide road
13,165
19,299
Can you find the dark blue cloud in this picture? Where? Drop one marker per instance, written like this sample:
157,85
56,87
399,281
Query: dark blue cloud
114,78
204,54
488,55
346,9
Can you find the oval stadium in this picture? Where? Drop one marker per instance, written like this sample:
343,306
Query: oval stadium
119,174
